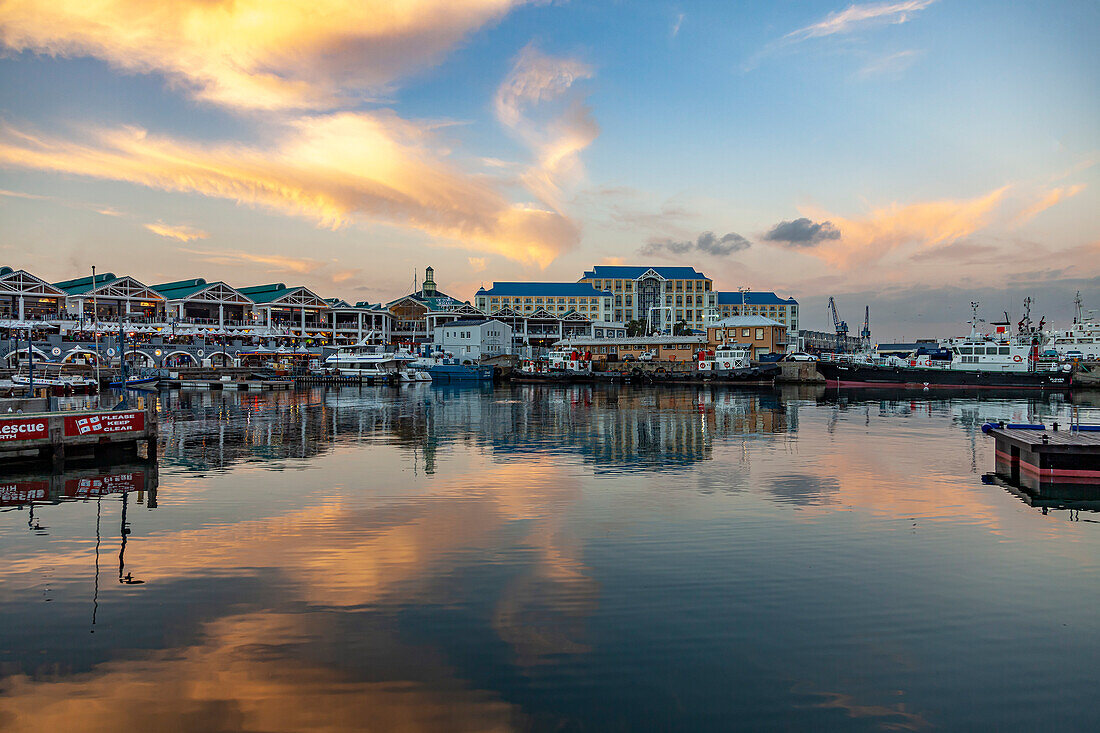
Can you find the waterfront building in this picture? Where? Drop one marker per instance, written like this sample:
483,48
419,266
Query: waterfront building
290,311
354,323
758,334
199,302
25,297
474,339
663,348
662,296
555,298
759,303
109,298
816,342
410,312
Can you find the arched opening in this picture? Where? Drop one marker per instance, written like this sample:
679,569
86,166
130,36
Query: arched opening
221,359
20,355
180,359
82,356
139,359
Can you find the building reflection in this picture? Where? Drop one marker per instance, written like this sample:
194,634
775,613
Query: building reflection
611,428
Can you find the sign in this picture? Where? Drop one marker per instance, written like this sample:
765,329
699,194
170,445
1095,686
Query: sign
104,423
89,486
27,428
23,492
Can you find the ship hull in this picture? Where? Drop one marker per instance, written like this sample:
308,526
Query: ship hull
865,375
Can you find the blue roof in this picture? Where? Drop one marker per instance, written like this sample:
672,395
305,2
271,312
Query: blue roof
632,273
540,289
758,297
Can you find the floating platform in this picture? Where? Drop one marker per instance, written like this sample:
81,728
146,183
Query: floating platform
59,437
1038,458
250,385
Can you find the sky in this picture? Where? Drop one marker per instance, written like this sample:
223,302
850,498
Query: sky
907,155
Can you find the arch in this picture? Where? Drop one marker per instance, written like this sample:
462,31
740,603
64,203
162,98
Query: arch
173,359
39,354
221,359
144,361
87,355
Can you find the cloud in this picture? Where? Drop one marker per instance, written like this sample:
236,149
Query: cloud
706,243
1051,198
332,169
676,23
859,241
254,54
857,17
181,232
538,103
24,195
802,232
275,264
477,264
890,65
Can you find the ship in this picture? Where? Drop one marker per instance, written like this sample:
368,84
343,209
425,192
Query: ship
977,361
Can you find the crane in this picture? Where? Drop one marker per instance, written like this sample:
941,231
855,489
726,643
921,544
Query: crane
840,326
865,334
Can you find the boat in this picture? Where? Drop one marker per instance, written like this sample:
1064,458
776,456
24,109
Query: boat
368,361
136,381
1082,339
453,370
52,374
727,363
984,361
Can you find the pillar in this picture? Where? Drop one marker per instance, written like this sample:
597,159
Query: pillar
22,308
221,315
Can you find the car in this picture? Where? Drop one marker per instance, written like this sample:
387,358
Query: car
800,356
646,356
1073,354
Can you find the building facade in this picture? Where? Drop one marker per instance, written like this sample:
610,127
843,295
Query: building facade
554,298
663,348
660,296
759,303
410,312
474,340
758,334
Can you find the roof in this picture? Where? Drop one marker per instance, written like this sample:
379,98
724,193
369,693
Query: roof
472,322
753,297
181,288
744,322
84,284
539,289
633,273
266,293
6,271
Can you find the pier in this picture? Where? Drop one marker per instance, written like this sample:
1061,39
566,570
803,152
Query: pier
1035,457
63,436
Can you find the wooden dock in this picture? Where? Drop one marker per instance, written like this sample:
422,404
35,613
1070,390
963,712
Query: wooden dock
249,385
63,436
1035,456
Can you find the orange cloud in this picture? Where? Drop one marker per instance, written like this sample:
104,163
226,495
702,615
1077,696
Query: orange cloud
537,103
254,54
332,169
871,237
181,232
1051,198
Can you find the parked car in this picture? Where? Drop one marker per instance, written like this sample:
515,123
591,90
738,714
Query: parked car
1074,354
646,356
800,356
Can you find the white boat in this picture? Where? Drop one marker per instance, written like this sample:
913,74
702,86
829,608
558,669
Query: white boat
51,374
1082,339
726,357
368,360
570,359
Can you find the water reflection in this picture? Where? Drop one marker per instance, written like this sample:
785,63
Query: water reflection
543,557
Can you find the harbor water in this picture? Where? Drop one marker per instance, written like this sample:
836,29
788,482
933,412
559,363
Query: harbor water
559,558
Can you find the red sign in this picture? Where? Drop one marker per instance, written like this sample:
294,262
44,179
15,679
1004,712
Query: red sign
103,423
80,488
23,492
26,428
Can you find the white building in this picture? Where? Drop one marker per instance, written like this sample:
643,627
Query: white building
474,340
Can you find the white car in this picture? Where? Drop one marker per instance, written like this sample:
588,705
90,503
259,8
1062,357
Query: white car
646,356
800,356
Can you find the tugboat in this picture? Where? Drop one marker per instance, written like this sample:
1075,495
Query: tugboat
977,361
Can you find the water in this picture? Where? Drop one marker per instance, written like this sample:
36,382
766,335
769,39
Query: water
550,558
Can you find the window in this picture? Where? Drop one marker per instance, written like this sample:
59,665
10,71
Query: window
745,332
759,334
1004,350
679,300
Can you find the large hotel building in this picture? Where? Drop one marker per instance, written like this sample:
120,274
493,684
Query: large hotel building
663,295
759,303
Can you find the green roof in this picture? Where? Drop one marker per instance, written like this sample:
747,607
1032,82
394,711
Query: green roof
266,293
181,288
6,271
84,284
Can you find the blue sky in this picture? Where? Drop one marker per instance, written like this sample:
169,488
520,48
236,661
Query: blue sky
907,146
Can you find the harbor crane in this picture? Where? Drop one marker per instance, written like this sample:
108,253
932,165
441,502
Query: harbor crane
865,333
840,326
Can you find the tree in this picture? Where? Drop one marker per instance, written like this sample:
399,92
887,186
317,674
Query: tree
680,328
635,328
